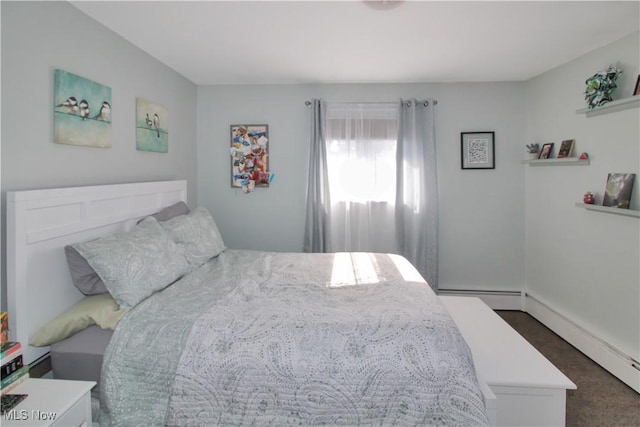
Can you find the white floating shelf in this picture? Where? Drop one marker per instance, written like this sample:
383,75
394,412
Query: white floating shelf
567,161
607,209
611,107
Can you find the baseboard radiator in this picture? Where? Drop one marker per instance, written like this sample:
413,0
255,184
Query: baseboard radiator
497,300
614,360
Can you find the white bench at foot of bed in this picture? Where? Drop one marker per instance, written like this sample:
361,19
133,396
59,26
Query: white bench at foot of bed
530,391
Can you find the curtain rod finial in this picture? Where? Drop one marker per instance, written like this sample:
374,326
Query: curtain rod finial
307,103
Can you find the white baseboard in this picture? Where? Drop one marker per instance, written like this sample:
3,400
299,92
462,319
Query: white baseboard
619,364
497,300
613,360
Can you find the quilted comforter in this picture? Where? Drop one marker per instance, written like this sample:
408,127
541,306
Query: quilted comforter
262,338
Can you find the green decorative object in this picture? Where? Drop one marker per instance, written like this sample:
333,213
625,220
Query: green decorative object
601,86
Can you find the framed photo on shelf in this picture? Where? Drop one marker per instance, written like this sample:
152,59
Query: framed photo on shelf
566,148
477,150
636,91
546,151
617,193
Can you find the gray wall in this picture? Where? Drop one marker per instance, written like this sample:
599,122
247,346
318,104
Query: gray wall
38,37
585,265
482,221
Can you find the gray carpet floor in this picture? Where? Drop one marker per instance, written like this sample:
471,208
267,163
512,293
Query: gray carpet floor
601,399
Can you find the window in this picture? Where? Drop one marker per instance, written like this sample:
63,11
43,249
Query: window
361,152
353,202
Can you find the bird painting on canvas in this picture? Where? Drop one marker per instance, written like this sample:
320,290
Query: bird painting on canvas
82,111
152,131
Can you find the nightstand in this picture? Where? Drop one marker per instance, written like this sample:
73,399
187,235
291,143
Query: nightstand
51,403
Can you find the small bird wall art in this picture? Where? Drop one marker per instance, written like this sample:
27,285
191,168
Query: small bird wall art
152,129
81,112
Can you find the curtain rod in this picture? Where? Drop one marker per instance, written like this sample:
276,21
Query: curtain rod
423,102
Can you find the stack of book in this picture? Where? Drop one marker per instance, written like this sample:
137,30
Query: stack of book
14,371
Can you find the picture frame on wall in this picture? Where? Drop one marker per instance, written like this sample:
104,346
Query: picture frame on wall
81,111
477,150
547,150
250,156
617,193
152,126
566,148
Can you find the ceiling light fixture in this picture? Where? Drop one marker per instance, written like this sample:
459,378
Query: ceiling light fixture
383,4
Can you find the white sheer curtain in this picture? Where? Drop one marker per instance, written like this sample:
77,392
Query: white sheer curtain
361,144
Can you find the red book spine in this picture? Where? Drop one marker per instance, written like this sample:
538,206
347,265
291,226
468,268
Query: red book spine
9,348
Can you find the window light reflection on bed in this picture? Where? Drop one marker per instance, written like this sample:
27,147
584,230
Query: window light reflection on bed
406,269
351,269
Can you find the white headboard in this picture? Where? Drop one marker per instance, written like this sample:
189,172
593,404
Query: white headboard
41,222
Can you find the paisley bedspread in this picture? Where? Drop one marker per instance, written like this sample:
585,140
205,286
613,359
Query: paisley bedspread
263,338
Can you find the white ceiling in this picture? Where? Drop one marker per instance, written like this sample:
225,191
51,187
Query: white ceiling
247,42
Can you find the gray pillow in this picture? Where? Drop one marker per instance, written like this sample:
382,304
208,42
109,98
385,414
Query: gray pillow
83,275
135,264
197,236
169,212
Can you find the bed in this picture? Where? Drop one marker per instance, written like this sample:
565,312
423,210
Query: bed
240,338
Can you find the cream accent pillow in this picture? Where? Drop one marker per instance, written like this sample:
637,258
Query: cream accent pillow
101,310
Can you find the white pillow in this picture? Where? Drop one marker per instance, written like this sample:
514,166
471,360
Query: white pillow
197,235
135,264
